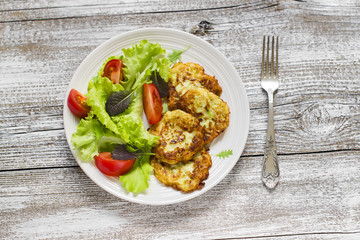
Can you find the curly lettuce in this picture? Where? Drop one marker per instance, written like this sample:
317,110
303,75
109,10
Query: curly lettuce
90,136
141,170
100,131
141,61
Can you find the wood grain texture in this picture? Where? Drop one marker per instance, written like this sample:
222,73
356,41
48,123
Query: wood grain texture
70,205
40,10
44,194
308,82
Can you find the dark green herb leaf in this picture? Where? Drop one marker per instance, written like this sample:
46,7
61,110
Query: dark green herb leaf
125,152
120,152
160,83
118,102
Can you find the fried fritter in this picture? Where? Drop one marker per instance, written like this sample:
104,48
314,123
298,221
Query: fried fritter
212,112
185,177
185,76
181,137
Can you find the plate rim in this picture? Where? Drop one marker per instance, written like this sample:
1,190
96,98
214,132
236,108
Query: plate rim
187,196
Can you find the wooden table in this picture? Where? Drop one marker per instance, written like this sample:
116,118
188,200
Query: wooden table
44,194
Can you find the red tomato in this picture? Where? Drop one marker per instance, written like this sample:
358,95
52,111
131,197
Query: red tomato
152,103
77,104
112,167
113,70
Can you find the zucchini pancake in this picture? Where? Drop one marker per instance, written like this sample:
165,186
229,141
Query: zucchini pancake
185,177
210,109
196,116
181,137
185,76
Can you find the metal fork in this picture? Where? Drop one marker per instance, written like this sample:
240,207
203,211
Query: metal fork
270,83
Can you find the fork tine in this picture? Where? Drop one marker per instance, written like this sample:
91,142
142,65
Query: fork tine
272,58
267,57
263,59
269,65
277,57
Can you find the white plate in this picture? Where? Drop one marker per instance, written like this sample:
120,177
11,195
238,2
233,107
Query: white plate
214,64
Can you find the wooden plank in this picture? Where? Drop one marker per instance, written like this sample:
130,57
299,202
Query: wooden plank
316,107
40,141
40,10
43,10
317,198
43,194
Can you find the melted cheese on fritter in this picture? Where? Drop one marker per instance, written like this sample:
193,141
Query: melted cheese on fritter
186,85
187,176
181,137
186,76
210,109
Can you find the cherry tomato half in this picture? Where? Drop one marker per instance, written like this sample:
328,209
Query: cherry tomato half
152,103
113,70
77,104
112,167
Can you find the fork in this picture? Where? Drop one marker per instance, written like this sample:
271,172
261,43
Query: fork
270,83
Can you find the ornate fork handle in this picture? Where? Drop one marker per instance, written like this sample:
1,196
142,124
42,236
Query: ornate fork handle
270,171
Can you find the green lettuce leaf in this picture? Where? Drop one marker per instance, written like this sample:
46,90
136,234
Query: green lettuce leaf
137,179
130,122
99,90
90,136
127,125
94,136
101,132
130,126
141,61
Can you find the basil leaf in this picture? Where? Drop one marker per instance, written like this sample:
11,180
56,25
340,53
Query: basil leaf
118,102
120,152
160,83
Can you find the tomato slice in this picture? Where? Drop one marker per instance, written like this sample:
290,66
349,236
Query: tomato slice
77,104
113,70
112,167
152,103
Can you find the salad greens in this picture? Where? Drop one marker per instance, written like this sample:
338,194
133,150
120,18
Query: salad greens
141,61
160,84
90,135
100,132
118,102
224,153
176,55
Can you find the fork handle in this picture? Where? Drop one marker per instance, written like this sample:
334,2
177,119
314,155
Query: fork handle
270,172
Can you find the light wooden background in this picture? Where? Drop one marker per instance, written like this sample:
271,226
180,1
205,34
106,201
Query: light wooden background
45,195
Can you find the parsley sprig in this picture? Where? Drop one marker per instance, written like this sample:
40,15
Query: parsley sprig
224,153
